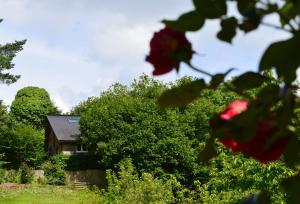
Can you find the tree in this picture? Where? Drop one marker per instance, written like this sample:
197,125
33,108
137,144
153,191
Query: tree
22,143
31,105
126,122
3,114
7,54
272,110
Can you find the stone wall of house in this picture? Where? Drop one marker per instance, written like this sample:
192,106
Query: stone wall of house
68,148
38,174
53,144
90,176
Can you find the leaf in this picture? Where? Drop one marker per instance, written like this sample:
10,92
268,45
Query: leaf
211,8
182,95
288,12
208,152
267,97
228,30
191,21
218,79
292,153
246,7
284,56
249,80
291,186
250,24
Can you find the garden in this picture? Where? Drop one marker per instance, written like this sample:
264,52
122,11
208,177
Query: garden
209,138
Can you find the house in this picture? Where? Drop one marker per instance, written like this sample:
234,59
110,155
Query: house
62,134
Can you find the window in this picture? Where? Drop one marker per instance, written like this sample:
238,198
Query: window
81,148
73,120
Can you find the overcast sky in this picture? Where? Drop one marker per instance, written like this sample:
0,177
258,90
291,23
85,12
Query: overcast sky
77,48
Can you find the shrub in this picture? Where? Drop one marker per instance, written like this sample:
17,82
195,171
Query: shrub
2,175
12,176
125,122
22,143
54,170
127,187
81,162
26,173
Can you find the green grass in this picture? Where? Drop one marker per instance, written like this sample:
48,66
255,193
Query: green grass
33,194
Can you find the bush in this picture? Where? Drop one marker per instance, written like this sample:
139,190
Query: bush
126,122
54,170
81,162
2,175
22,143
12,176
26,173
127,187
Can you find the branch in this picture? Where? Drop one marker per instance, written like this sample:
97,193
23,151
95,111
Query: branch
275,27
200,70
226,84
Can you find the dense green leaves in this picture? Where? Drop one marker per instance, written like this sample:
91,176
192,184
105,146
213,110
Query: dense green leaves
22,143
208,152
191,21
284,57
268,101
31,105
129,123
182,95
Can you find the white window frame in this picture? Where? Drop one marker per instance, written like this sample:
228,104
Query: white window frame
81,149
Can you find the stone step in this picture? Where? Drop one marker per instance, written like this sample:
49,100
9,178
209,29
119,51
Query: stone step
80,185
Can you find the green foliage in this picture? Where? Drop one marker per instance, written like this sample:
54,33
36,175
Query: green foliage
12,176
182,95
3,114
8,52
81,162
128,188
232,177
26,173
267,102
54,169
22,143
127,122
190,21
31,105
81,107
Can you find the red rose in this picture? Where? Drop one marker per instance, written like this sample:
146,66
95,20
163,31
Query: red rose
167,48
255,148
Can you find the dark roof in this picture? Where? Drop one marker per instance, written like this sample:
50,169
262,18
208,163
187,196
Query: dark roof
65,127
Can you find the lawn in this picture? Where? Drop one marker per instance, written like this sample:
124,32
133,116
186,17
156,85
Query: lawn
34,194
